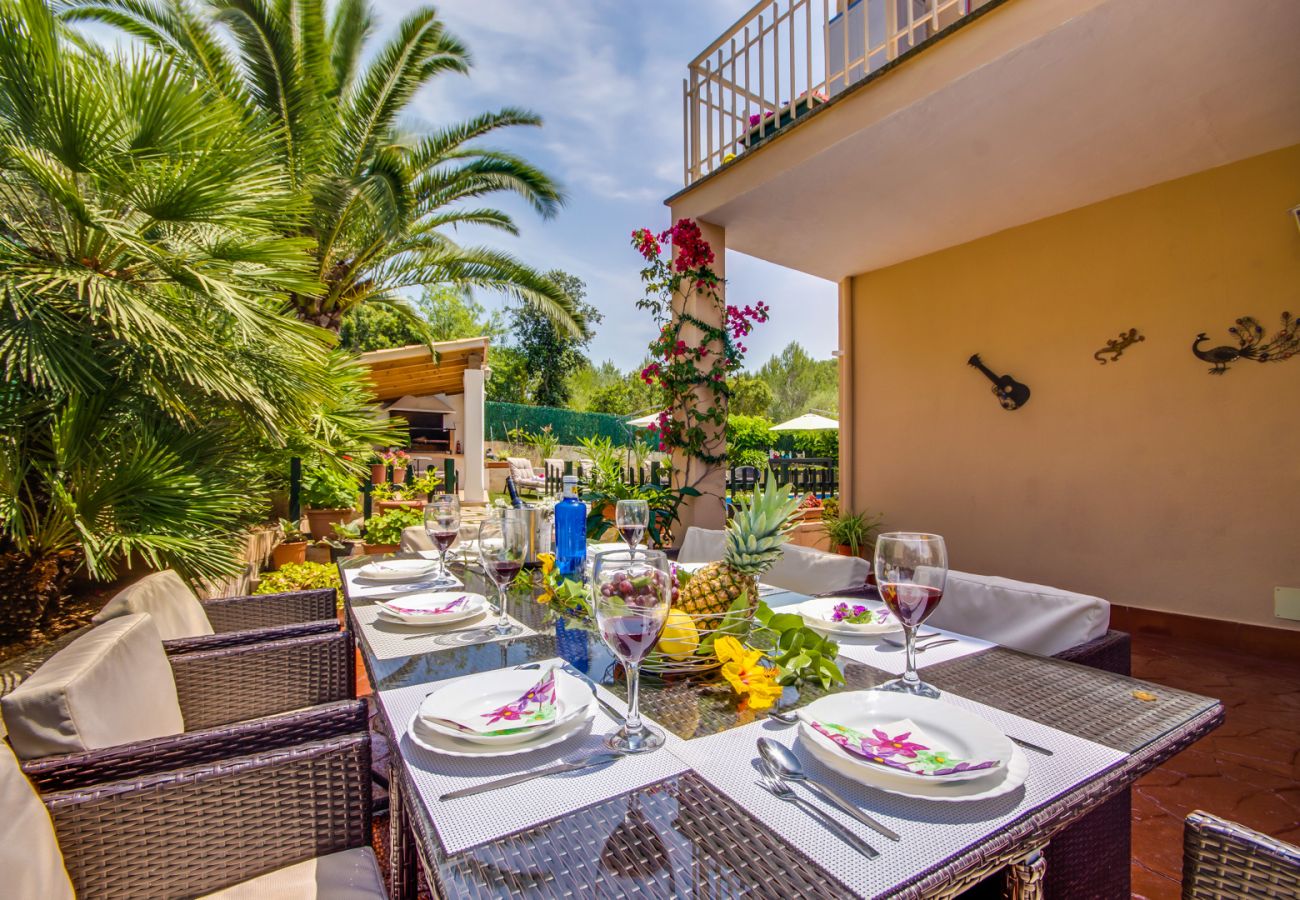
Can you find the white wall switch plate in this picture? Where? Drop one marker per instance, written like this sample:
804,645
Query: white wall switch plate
1286,603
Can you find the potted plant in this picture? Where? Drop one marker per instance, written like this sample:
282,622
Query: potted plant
330,496
292,547
383,533
378,467
852,534
401,461
406,496
304,576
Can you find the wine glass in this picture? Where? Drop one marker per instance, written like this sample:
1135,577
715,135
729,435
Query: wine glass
442,524
911,570
631,518
502,543
632,593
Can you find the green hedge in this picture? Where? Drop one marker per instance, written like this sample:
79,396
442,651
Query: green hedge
566,424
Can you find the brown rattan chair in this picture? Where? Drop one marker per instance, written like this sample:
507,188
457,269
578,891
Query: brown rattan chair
188,624
1223,861
222,688
183,817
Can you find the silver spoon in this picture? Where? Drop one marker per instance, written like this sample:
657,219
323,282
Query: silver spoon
787,718
782,759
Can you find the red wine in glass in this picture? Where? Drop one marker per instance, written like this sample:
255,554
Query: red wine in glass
911,603
504,570
632,534
443,539
631,637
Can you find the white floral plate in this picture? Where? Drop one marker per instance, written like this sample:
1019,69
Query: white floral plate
946,728
818,614
395,610
995,784
387,570
466,698
430,740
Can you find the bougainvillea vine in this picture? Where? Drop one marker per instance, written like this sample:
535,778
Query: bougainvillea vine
691,373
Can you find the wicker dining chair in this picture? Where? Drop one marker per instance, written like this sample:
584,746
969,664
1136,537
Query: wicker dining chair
1224,861
188,623
273,809
214,689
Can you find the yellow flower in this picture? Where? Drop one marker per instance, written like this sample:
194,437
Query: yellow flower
545,597
548,564
741,668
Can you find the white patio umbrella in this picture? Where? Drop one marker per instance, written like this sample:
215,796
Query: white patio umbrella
808,422
644,421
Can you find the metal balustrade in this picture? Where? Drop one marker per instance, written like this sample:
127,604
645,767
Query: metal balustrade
785,58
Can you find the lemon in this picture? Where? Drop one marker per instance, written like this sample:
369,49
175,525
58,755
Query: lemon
680,639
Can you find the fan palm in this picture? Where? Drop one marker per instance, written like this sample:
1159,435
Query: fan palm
148,368
381,201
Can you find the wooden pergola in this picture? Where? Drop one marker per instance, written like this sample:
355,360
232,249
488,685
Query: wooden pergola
423,369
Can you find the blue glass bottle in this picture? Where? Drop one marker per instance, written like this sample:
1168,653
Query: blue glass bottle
570,531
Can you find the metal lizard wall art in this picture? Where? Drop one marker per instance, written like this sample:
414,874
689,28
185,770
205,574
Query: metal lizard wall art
1117,347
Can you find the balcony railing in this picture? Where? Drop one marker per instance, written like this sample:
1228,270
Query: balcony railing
785,58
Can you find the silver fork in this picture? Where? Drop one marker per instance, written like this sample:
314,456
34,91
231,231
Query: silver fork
783,791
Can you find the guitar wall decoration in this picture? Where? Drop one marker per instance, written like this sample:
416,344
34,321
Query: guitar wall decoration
1010,393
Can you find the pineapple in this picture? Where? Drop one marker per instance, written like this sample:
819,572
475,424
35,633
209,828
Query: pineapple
754,539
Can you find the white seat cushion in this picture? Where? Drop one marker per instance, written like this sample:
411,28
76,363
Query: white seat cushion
522,471
175,609
806,570
1029,617
812,571
348,875
702,545
29,850
415,538
113,685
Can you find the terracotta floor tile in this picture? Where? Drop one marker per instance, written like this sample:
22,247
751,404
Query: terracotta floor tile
1247,771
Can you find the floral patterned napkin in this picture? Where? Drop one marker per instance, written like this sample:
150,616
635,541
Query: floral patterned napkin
536,707
436,611
899,745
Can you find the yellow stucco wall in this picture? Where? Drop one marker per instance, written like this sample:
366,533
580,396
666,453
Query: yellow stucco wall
1146,481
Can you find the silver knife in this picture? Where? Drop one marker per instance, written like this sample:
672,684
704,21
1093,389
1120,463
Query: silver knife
608,707
845,806
595,760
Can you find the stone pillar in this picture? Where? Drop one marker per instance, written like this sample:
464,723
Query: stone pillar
709,509
848,396
473,476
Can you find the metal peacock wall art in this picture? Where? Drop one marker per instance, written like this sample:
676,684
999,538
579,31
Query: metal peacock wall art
1249,335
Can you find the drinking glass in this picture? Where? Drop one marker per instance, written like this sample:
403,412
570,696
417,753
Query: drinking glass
632,593
631,518
502,544
911,570
442,524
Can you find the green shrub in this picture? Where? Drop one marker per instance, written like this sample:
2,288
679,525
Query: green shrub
305,576
386,528
749,440
328,489
566,425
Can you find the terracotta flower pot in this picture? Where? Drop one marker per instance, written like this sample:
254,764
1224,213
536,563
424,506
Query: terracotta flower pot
320,522
400,504
399,475
376,549
378,473
286,553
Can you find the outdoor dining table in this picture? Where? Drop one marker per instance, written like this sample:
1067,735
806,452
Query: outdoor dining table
688,830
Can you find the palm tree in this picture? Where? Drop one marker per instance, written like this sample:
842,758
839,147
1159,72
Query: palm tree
381,201
149,371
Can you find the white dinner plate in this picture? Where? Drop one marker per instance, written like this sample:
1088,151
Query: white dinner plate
817,612
463,699
951,728
475,604
397,570
434,742
994,784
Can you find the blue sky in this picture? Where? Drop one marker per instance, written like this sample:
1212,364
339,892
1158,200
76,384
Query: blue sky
606,76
